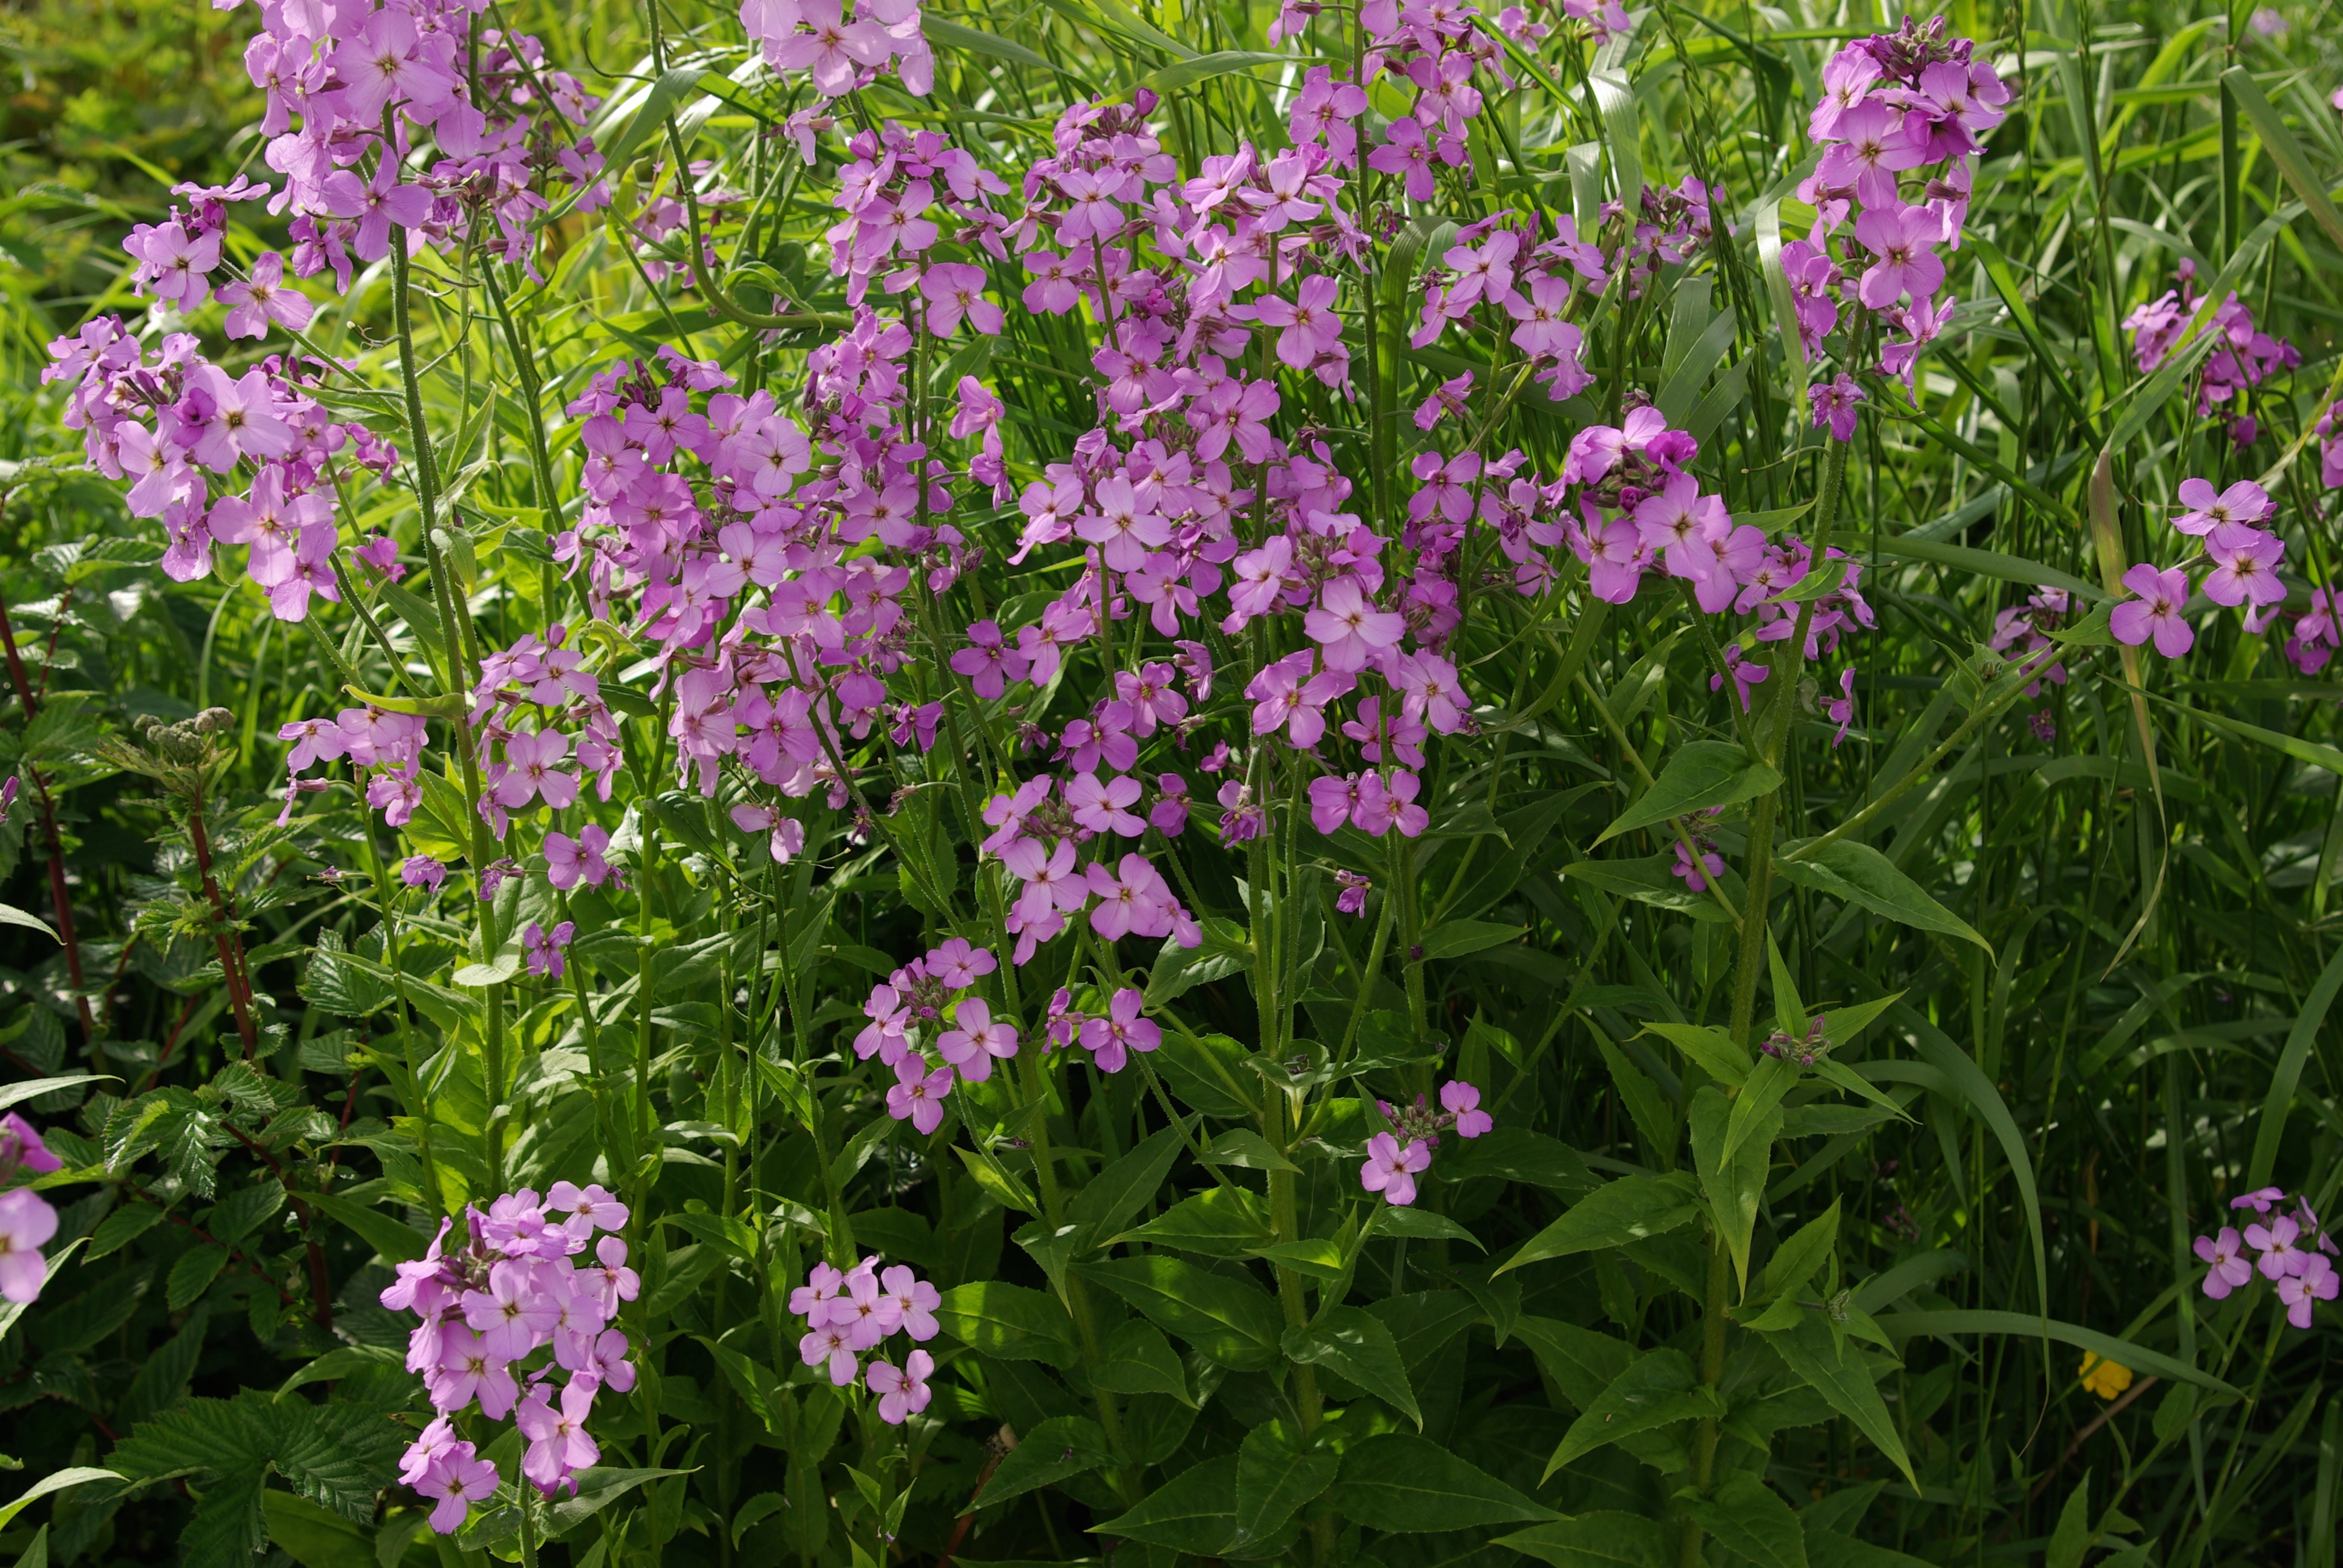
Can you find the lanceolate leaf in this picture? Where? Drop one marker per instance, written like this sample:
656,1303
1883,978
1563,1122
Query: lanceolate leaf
1235,1323
1615,1213
1354,1345
1657,1390
1860,875
1701,774
1404,1483
1835,1370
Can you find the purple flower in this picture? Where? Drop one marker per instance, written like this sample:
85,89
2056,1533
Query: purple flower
1391,1170
2227,1267
918,1097
2316,1283
558,1446
1352,898
543,948
2275,1241
2156,612
1462,1102
976,1041
1838,403
21,1148
26,1223
902,1393
2207,509
422,872
456,1479
1111,1038
2262,1200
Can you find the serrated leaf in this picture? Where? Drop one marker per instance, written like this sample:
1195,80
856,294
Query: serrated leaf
1606,1538
1861,876
121,1228
1194,1511
193,1274
1139,1360
1834,1368
1218,1222
1124,1188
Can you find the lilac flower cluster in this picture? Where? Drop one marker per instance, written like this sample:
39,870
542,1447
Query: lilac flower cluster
2026,627
848,1313
2292,1252
27,1222
509,1292
914,1001
1391,1166
1913,105
2244,561
2244,359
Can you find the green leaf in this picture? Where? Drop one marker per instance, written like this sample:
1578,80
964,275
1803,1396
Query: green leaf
193,1274
1749,1518
1709,1046
952,36
1401,1482
1194,1511
1356,1346
2071,1540
34,1087
1000,1184
1973,1086
1802,1257
1757,1107
315,1537
2284,150
1735,1184
1421,1224
122,1227
1226,948
1701,774
1657,1390
1861,876
1973,562
1246,1149
1219,1222
1232,1321
599,1486
1455,939
1058,1447
395,1240
1582,1361
1833,1367
1613,1214
10,915
1206,67
1649,881
1139,1360
1904,1325
1010,1322
1603,1539
649,117
1275,1476
1518,1154
57,1481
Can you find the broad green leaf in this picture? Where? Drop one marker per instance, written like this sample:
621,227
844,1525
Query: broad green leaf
1518,1154
395,1240
193,1274
1971,1085
1835,1369
1139,1360
1757,1109
1802,1257
2071,1539
1859,875
1276,1474
1749,1518
1583,1362
1219,1222
315,1537
599,1487
1357,1347
1401,1482
1061,1446
1421,1224
1232,1321
1007,1320
1651,880
1830,1548
1709,1046
1618,1212
1124,1188
1225,949
1701,774
1194,1511
1657,1390
1247,1150
1606,1538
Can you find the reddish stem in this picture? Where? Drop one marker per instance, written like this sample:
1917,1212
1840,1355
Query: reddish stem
231,949
54,845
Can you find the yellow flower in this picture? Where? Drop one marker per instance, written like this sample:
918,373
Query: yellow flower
2104,1378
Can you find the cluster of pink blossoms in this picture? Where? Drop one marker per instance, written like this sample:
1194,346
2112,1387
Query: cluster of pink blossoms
2291,1252
27,1222
910,1004
1391,1166
2245,357
2243,570
487,1309
849,1311
1911,105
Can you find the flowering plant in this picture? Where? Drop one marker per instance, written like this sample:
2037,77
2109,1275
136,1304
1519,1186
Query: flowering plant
1027,805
